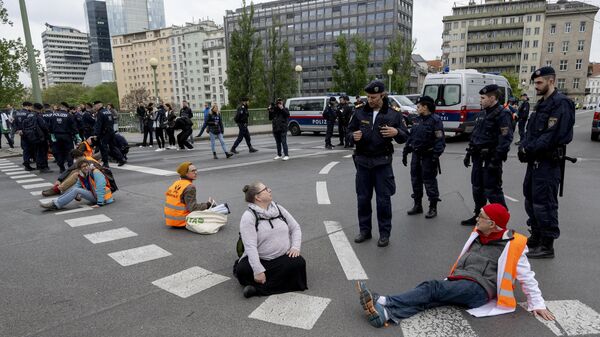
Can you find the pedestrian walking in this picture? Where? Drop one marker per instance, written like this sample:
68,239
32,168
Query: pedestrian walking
170,129
205,113
105,134
160,123
10,112
279,116
5,128
187,112
149,125
215,130
488,148
330,117
141,113
544,149
522,116
426,142
372,129
241,119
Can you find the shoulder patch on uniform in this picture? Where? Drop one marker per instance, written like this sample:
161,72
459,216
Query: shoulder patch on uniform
504,130
439,133
365,121
552,121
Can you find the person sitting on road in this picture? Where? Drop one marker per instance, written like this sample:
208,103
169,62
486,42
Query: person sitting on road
68,178
492,253
181,197
91,185
271,262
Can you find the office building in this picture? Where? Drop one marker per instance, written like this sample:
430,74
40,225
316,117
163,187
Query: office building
131,16
67,54
99,35
311,28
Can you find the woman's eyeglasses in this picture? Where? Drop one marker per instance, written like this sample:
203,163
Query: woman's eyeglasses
268,189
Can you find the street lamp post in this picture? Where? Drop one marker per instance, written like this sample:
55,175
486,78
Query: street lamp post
154,63
390,72
33,70
298,70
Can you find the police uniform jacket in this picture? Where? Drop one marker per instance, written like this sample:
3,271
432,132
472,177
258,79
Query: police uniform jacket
523,112
427,135
241,115
330,114
20,115
38,129
373,144
344,112
88,121
104,123
62,123
550,126
493,132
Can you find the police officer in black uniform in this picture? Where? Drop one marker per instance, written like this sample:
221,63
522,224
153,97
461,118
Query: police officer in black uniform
489,146
63,131
522,116
104,131
36,133
549,130
344,112
241,119
28,150
330,116
426,142
88,121
372,129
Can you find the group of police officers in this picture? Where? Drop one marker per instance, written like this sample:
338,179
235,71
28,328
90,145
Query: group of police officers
544,136
43,129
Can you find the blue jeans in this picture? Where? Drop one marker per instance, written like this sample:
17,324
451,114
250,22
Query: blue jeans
435,293
70,195
221,140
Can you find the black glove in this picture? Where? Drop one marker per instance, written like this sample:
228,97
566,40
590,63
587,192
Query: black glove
522,155
404,158
467,160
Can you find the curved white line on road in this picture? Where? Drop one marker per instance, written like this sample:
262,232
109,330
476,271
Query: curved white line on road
348,156
511,198
345,254
328,167
322,194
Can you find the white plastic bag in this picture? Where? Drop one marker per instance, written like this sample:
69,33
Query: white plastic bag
205,222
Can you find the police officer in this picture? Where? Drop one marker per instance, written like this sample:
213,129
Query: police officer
344,112
105,132
330,116
522,116
549,130
35,132
241,119
28,150
488,147
426,142
88,121
372,129
63,131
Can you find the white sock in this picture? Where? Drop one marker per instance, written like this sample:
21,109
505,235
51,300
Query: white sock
381,300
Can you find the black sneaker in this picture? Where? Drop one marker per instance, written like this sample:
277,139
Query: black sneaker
383,242
470,222
362,237
45,170
252,150
233,151
249,291
121,163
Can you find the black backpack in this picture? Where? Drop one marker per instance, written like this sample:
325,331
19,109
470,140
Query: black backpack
240,243
31,129
108,175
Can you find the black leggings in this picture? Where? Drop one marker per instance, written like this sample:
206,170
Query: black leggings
148,131
171,136
283,274
160,137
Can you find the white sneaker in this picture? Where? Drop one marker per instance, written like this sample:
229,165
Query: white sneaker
157,150
141,146
150,145
285,158
277,157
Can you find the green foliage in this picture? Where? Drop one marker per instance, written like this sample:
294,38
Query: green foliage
400,61
350,76
13,60
77,94
245,67
513,80
279,72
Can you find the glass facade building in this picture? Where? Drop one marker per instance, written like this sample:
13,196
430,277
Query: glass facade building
130,16
312,27
99,35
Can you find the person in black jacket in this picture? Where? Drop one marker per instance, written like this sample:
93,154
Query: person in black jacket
187,112
522,116
330,116
215,130
185,125
241,119
88,121
63,132
344,112
160,123
372,129
34,132
149,125
170,115
279,116
28,149
141,113
105,132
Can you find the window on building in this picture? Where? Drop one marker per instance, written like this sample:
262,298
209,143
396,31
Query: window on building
536,31
527,31
565,46
532,69
560,83
578,64
526,44
575,83
548,63
525,57
529,18
553,28
567,27
582,26
535,43
550,47
580,45
538,18
563,65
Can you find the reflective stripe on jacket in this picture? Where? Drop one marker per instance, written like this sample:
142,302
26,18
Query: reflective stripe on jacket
175,210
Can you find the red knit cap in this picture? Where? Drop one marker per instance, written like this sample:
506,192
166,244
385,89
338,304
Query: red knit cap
497,213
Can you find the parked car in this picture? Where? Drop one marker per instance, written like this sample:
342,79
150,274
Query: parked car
306,114
413,97
596,124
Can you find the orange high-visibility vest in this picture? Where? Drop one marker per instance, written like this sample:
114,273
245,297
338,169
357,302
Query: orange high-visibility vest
88,152
507,271
175,210
93,160
107,191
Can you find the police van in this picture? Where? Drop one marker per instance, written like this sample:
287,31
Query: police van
456,95
306,114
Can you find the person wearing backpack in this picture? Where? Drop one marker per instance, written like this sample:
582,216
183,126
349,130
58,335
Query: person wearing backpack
92,185
271,237
35,132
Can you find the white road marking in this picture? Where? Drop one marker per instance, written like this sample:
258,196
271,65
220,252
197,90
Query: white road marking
322,195
573,318
138,255
511,198
11,168
190,281
16,172
348,156
438,322
82,208
576,125
328,167
23,176
8,165
36,193
148,170
110,235
345,254
29,187
29,181
291,309
88,220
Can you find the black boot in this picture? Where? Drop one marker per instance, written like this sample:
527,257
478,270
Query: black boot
215,155
228,154
28,167
417,208
544,251
252,150
534,239
470,221
233,150
432,213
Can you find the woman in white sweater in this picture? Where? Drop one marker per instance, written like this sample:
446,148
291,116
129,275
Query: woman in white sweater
271,263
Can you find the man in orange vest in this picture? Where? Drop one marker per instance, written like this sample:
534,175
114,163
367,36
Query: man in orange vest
482,278
181,197
68,178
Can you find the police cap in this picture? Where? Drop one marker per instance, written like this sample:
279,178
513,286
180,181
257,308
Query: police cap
524,95
38,106
427,101
488,89
375,87
345,97
244,99
27,104
332,99
543,71
97,102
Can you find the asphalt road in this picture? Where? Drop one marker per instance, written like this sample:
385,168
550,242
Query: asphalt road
56,282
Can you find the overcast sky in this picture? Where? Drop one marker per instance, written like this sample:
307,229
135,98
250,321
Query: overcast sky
427,19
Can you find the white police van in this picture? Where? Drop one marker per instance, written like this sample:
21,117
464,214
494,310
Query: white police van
306,114
456,95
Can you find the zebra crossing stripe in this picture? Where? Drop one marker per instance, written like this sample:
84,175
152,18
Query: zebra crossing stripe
137,255
81,208
88,220
438,322
25,181
573,318
291,309
16,172
36,193
110,235
23,176
29,187
189,282
12,169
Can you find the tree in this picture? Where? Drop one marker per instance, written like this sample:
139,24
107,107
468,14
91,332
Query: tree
350,70
105,92
130,101
13,60
245,66
70,93
513,80
279,72
400,61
